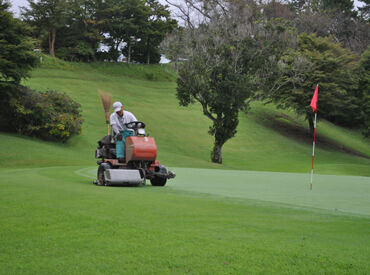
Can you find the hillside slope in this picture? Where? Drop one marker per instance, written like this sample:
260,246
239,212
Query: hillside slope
267,140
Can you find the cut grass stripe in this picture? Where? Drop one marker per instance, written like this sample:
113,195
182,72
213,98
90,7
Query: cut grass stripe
348,194
342,194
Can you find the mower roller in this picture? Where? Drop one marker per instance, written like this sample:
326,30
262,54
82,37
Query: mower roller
139,162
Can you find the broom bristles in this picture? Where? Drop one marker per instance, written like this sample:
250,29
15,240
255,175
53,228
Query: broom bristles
106,99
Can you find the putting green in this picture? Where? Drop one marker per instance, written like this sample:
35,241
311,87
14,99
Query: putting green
342,194
204,222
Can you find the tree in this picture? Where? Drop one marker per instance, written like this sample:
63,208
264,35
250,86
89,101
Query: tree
144,38
16,45
211,78
124,21
47,15
364,91
365,10
159,25
230,57
136,19
318,61
79,38
16,58
331,17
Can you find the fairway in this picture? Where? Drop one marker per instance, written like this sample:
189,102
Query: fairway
346,194
54,220
252,214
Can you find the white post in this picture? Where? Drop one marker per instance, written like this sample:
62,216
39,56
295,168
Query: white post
313,148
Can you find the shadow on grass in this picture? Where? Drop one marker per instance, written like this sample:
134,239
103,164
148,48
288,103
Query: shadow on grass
288,127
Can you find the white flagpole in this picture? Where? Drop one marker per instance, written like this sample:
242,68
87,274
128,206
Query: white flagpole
313,148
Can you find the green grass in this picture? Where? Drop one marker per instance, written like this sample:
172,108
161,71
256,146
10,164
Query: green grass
181,133
56,221
222,219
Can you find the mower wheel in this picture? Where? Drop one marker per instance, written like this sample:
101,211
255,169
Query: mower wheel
101,178
159,181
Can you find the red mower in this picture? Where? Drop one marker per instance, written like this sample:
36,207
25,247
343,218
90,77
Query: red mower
140,161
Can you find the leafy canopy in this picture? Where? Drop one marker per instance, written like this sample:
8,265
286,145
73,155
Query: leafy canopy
318,61
226,69
16,56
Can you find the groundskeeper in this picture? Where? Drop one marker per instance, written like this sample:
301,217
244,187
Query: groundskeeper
118,120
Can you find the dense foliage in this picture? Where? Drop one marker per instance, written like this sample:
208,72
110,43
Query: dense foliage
229,53
228,65
319,61
363,93
48,115
75,30
16,56
219,87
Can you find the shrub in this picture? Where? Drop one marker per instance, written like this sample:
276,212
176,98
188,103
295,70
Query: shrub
48,115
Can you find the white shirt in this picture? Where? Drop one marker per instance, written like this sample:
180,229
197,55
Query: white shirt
118,122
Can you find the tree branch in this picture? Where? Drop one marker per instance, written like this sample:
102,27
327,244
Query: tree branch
205,109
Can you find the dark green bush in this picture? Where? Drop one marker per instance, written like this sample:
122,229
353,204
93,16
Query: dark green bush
149,76
48,115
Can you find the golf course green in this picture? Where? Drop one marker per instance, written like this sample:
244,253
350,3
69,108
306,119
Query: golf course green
253,214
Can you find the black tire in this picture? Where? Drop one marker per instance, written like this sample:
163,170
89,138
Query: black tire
159,181
101,179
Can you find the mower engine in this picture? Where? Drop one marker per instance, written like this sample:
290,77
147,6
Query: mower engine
139,163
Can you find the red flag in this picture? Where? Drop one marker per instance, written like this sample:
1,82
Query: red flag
314,99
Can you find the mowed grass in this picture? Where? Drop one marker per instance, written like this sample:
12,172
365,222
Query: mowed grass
219,220
267,140
56,221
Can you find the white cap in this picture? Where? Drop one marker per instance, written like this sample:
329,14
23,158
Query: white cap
117,106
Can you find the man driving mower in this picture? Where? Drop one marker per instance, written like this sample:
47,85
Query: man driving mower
118,121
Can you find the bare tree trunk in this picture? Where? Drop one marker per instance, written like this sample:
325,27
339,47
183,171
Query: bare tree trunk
52,36
49,42
216,154
147,52
129,52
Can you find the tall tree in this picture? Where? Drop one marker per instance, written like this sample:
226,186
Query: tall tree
319,61
330,17
364,91
212,78
80,37
230,58
156,26
123,21
48,15
16,45
365,10
16,60
135,21
159,25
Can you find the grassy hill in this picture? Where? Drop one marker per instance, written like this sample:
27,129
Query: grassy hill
205,221
267,140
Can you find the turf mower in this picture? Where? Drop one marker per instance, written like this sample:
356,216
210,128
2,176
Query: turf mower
139,163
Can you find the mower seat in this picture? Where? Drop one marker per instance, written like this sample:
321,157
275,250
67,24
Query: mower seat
107,140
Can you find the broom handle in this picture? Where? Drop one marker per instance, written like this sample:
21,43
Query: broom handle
107,121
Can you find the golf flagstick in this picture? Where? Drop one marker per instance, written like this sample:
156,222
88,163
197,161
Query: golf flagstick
313,149
314,108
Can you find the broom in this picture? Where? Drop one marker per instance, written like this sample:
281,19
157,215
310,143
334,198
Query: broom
106,100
